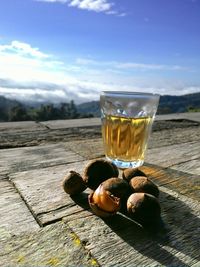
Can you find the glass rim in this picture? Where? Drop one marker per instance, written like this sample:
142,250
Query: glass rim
128,93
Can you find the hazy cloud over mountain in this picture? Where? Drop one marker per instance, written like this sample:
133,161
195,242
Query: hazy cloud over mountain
29,74
59,50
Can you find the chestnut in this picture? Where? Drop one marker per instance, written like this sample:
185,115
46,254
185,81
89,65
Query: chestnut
73,183
103,203
119,188
129,173
98,171
116,186
145,185
144,208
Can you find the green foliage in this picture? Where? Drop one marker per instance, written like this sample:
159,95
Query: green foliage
69,110
19,112
3,115
193,109
11,110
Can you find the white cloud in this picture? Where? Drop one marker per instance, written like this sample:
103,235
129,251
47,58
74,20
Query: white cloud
86,61
21,62
94,5
142,66
23,49
129,65
53,1
98,6
26,73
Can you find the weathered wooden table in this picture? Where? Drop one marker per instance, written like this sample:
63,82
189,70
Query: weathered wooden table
40,225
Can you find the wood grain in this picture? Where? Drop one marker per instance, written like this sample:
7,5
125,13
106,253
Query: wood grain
168,156
119,241
31,138
16,134
184,183
20,126
165,156
31,194
27,158
15,217
189,166
192,116
62,124
43,193
55,245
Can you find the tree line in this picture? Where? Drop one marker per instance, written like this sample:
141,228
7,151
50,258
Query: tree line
19,112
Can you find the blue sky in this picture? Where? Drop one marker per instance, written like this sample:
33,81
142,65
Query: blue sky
58,50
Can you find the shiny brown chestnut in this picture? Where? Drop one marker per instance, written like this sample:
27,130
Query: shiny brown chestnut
119,188
97,171
103,203
144,208
73,183
116,186
145,185
129,173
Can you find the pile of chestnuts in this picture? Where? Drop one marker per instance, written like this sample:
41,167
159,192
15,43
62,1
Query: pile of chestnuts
134,194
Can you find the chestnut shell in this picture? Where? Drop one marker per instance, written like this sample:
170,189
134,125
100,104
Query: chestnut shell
97,171
98,210
145,185
73,183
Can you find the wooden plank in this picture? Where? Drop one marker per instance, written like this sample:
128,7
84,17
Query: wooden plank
165,156
181,182
27,158
191,166
73,212
62,124
193,116
52,154
93,148
31,138
15,217
16,134
175,154
43,192
89,149
20,126
85,122
173,136
54,245
117,241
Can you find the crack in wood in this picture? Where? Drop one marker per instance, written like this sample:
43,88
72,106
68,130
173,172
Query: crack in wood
57,209
77,240
27,205
179,163
43,125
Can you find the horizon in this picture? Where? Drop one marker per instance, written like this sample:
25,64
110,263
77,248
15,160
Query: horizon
30,103
62,50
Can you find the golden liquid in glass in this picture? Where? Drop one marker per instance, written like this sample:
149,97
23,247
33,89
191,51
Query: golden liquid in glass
126,139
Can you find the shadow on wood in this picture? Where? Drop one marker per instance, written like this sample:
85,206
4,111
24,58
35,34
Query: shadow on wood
179,235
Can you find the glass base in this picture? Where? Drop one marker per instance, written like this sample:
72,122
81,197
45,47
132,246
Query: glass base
126,164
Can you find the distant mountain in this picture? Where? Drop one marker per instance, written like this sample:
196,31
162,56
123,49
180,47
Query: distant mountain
13,110
6,103
174,104
168,104
92,107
